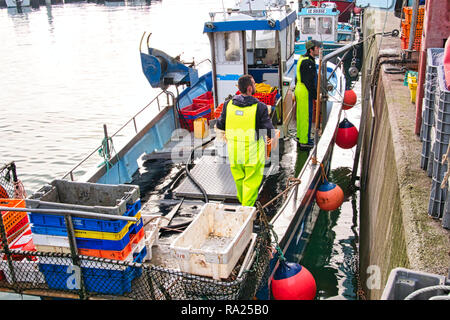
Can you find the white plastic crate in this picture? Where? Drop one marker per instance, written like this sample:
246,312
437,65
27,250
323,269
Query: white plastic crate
214,241
25,271
151,236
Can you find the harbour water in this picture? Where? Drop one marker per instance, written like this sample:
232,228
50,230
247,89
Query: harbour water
68,69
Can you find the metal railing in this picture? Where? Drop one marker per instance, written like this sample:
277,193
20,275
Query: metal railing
155,100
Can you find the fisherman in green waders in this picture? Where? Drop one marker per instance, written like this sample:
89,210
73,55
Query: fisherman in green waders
246,121
306,91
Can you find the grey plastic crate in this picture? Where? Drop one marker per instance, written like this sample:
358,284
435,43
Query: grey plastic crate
435,58
430,162
402,282
426,145
438,197
439,170
84,196
442,94
446,214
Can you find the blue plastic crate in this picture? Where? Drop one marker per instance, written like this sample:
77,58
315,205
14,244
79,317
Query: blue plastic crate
104,281
48,220
87,243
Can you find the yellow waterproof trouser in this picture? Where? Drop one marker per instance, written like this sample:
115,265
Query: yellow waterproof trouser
246,155
302,100
247,167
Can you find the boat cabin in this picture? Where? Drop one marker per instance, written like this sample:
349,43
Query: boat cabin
258,41
318,23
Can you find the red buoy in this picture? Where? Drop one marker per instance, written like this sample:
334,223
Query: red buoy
329,196
347,135
349,99
292,281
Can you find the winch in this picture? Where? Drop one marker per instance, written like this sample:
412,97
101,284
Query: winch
162,70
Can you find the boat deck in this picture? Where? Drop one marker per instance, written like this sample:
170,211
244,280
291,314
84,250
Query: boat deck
164,183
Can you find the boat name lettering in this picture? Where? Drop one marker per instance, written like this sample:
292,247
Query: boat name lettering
316,11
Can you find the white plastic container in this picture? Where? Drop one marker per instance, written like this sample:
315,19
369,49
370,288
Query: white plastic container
214,241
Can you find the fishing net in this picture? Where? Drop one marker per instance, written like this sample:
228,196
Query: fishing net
82,277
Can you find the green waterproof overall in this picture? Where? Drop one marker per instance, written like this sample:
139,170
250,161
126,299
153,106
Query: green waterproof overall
246,155
302,99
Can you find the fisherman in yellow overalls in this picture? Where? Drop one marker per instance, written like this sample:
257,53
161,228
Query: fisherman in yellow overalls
246,121
306,91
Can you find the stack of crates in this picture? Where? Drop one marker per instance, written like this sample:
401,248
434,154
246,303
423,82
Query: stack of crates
96,237
269,97
406,26
434,59
14,222
201,107
438,195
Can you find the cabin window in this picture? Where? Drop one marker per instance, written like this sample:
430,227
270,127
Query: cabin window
325,25
309,25
232,46
292,38
265,39
288,42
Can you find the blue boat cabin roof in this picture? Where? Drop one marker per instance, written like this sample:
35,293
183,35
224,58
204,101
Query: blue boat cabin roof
240,25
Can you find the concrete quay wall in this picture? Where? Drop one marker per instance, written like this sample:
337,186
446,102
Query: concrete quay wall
395,228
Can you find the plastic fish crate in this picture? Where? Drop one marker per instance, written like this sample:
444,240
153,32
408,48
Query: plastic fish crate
214,241
107,278
84,196
12,218
206,99
192,112
268,98
402,282
218,111
90,224
86,243
57,231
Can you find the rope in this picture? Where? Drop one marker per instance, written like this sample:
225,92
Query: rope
292,182
105,153
322,173
427,289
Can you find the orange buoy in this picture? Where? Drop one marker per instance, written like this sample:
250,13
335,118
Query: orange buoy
349,99
292,281
347,135
329,196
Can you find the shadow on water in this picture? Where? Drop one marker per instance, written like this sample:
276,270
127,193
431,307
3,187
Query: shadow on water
331,253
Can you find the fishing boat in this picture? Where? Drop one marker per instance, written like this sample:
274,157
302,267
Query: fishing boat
171,184
322,24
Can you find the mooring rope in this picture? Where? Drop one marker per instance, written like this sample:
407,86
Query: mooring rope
292,182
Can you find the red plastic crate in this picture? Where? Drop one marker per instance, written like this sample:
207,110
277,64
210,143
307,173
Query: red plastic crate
192,112
267,98
206,98
218,111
